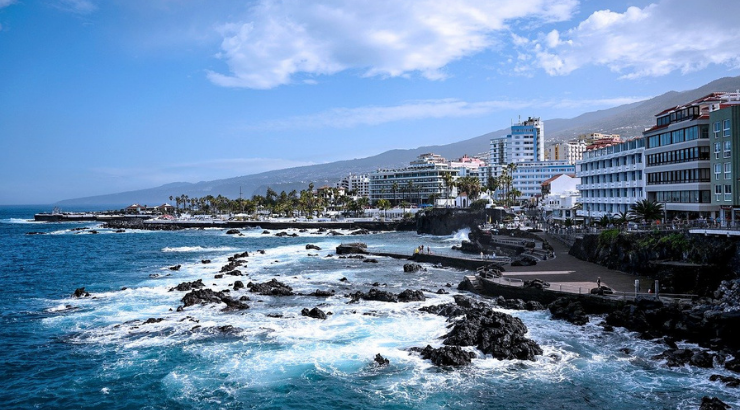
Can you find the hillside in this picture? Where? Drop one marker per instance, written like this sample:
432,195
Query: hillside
628,120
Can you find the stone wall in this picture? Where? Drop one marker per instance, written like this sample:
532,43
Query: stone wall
682,262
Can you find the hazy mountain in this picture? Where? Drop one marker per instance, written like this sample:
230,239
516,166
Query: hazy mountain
628,120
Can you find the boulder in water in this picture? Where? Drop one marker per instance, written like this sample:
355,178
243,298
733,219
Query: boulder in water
81,293
445,355
315,313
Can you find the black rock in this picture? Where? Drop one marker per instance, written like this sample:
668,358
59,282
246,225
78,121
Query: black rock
315,313
271,288
381,361
233,232
374,294
442,292
413,267
186,286
409,295
445,355
729,381
314,247
321,293
80,293
536,283
176,267
571,311
153,320
370,260
492,332
712,403
205,261
238,285
205,296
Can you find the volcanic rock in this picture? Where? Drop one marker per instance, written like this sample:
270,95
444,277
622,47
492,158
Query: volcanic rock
568,310
186,286
271,288
80,293
445,355
315,313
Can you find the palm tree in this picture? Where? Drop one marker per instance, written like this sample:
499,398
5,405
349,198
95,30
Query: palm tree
646,210
622,218
449,182
384,205
394,188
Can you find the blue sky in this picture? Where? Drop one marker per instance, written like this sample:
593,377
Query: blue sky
100,97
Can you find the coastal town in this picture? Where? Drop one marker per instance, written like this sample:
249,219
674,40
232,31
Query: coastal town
680,171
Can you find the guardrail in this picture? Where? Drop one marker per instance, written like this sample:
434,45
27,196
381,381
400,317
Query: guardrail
581,290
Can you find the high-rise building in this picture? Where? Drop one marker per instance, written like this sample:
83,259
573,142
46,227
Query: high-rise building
525,148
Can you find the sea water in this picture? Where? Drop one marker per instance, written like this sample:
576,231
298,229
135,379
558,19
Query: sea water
63,352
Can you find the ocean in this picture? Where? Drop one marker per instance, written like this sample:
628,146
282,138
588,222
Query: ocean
60,352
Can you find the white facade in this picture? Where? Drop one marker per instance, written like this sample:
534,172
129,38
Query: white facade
423,178
612,179
560,198
359,183
570,151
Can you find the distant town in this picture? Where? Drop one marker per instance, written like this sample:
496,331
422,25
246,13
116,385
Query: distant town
683,168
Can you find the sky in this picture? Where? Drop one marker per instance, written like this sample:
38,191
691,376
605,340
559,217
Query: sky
100,97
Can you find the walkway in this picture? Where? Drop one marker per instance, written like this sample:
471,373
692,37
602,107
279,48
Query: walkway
572,272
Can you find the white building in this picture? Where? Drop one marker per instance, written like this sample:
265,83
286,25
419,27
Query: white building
529,176
570,151
358,183
612,179
560,198
526,143
422,179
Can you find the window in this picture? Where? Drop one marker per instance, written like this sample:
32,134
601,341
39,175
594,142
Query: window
726,128
718,192
728,169
728,192
718,168
716,129
727,152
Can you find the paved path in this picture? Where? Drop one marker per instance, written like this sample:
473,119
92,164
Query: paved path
568,270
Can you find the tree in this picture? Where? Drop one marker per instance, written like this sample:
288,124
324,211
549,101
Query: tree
394,189
646,210
449,182
622,218
384,205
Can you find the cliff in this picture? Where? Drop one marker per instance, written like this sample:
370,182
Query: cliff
682,262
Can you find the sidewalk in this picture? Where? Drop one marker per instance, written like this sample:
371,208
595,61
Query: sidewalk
565,269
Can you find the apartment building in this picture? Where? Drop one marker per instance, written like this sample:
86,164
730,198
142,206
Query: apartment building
612,178
724,120
357,183
570,151
678,165
416,183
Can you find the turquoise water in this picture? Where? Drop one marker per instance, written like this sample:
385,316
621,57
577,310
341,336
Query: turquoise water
100,354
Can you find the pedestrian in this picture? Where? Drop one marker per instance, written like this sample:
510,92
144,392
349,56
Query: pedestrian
598,282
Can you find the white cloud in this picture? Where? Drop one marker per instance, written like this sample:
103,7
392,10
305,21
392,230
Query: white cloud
6,3
281,39
668,36
416,110
77,6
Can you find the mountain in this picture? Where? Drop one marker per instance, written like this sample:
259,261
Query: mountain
628,120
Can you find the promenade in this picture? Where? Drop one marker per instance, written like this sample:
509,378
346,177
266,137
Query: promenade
572,272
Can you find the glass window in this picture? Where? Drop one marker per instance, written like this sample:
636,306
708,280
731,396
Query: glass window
718,168
717,147
716,129
726,128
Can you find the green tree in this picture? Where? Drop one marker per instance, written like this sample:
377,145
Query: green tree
384,205
646,210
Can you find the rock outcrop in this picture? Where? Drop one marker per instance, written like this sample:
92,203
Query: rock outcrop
271,288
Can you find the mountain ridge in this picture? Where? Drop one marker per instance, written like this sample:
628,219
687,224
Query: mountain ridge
628,120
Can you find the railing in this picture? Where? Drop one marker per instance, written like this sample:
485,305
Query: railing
675,298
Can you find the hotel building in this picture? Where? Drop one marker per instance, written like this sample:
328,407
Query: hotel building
612,179
678,165
416,183
724,137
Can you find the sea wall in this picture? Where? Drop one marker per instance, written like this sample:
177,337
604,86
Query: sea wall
446,221
682,262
